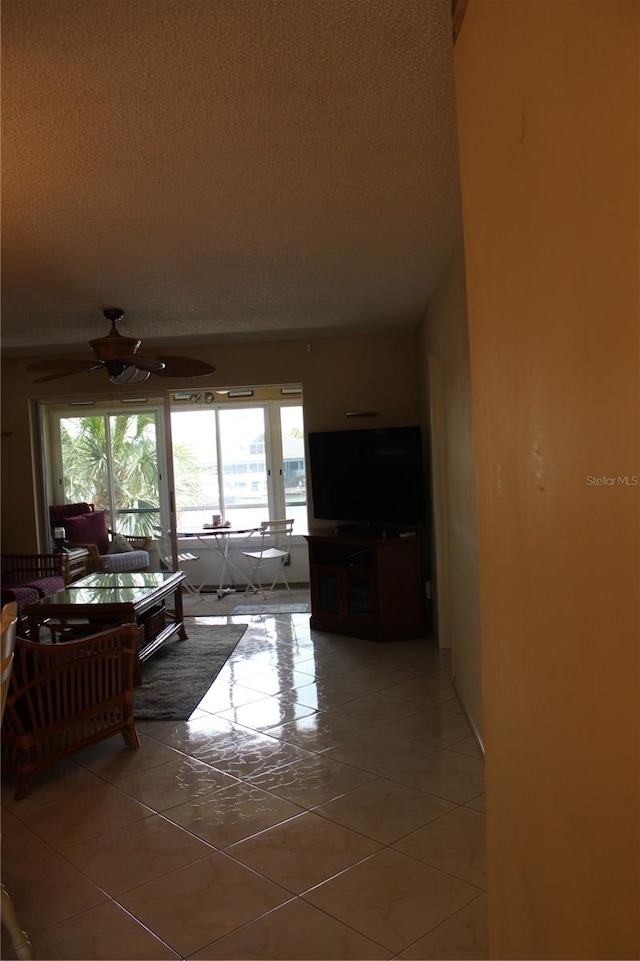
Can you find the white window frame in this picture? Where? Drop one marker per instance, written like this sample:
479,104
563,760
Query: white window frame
52,449
48,414
274,455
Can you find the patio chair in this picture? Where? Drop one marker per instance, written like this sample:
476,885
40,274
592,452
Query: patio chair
167,563
64,697
272,554
109,552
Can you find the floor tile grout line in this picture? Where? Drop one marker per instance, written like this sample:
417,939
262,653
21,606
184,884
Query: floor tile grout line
315,907
299,895
364,665
451,917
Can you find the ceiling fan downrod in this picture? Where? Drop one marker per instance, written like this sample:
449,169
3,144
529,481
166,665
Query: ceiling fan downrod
114,314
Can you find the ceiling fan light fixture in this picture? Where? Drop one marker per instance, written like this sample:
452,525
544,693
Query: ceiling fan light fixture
129,375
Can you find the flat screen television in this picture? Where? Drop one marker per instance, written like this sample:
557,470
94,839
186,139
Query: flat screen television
371,477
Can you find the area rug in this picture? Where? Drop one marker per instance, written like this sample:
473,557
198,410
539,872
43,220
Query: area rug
175,680
274,608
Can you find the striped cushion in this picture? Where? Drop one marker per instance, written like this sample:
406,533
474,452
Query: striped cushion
131,561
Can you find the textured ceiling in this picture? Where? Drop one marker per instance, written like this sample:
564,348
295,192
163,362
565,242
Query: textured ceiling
224,169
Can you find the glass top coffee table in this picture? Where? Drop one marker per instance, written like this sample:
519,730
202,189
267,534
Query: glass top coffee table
151,600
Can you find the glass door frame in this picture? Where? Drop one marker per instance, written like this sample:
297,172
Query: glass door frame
49,481
47,417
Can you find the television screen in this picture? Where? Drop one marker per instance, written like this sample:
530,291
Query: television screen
370,476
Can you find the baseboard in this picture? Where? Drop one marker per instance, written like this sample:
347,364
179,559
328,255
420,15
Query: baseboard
472,724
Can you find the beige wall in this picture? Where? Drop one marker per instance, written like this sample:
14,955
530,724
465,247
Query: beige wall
444,335
375,373
548,130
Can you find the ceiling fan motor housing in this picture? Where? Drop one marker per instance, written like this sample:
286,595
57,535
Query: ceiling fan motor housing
114,345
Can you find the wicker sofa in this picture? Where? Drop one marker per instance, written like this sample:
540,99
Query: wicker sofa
28,577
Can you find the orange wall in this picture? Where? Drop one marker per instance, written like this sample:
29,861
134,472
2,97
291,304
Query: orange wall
378,372
548,130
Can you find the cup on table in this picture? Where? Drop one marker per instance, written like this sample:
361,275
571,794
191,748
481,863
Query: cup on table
216,520
58,539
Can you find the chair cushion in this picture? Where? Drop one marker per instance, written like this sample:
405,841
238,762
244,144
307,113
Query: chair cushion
58,513
88,529
46,586
32,589
22,595
129,561
119,545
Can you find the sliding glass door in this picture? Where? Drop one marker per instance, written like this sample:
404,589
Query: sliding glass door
112,460
242,461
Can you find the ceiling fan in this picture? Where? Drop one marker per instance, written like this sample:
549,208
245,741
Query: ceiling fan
118,356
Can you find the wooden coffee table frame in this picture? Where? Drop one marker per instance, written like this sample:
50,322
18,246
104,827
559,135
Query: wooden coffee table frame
103,600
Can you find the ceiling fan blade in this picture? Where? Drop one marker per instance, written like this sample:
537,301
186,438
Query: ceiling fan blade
64,373
152,364
184,367
68,364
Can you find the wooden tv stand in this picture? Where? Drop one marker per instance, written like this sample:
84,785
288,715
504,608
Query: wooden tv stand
369,588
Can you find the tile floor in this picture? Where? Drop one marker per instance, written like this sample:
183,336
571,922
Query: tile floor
324,802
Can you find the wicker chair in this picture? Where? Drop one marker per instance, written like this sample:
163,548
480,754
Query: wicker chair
19,939
65,697
102,555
